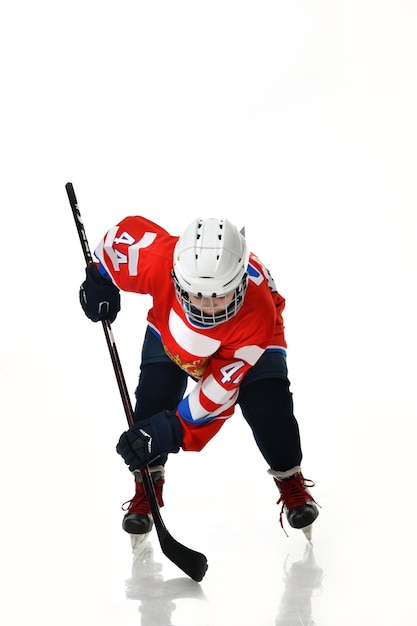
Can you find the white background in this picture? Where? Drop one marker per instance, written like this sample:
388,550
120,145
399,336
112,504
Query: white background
296,119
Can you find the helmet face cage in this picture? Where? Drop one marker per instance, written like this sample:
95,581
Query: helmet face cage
213,318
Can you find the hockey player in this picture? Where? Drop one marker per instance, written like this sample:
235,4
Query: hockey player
216,317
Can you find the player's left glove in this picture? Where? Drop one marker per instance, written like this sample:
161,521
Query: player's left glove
147,439
99,296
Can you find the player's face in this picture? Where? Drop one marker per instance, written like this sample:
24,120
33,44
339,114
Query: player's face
212,305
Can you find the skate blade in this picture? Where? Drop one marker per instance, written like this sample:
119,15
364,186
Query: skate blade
308,532
137,542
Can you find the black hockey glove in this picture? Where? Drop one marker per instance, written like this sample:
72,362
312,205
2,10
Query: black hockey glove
149,438
99,297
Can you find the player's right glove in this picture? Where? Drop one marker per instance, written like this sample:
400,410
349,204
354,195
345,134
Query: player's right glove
99,296
149,438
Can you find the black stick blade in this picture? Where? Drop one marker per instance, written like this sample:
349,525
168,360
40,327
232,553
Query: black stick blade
193,563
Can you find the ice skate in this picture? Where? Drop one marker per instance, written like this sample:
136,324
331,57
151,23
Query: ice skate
298,504
138,518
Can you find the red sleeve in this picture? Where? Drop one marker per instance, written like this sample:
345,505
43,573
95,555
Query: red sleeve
133,252
196,436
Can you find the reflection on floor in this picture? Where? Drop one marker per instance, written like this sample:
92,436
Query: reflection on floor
302,579
155,594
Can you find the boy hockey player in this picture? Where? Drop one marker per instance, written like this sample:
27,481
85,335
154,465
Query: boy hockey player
216,317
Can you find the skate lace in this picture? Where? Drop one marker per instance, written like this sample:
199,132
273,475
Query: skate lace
293,493
139,503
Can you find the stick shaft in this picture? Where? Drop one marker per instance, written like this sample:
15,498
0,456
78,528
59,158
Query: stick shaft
193,563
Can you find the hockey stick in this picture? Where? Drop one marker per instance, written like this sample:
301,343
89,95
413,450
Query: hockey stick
193,563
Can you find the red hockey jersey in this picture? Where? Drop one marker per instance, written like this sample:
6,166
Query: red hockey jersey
138,256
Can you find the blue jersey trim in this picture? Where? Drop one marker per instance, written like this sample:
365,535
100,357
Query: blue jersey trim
252,271
104,272
279,350
185,413
155,332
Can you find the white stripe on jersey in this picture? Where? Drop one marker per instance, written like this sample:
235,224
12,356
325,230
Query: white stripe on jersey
214,391
250,354
193,342
197,411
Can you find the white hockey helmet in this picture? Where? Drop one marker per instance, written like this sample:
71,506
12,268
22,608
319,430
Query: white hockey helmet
210,261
